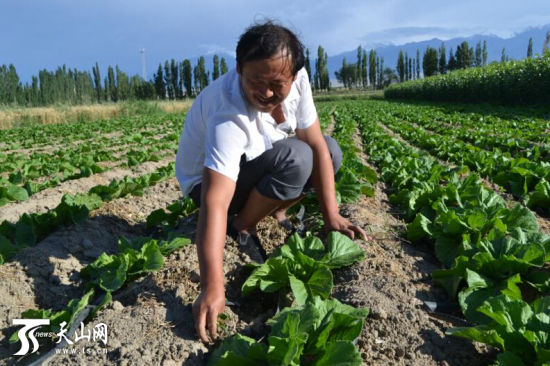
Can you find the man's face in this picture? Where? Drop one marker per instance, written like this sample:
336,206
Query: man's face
266,83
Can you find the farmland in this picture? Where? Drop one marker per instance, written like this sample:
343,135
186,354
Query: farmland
455,197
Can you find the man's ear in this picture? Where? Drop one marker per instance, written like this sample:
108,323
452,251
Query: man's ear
239,71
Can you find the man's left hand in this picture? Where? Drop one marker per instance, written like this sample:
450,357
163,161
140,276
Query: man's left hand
343,225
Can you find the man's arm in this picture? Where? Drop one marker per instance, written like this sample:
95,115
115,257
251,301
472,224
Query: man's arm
322,178
216,193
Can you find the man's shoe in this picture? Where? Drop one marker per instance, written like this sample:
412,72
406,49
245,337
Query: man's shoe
247,240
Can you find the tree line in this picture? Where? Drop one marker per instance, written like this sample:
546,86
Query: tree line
434,61
367,71
173,80
180,79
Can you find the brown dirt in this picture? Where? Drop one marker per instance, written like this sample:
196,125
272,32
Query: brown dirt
49,198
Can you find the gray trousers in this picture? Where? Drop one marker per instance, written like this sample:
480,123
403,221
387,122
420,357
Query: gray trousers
282,172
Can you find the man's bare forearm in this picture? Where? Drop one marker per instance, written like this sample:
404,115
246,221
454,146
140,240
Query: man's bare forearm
210,244
217,191
323,181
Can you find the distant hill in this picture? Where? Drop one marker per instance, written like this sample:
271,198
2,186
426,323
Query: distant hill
516,48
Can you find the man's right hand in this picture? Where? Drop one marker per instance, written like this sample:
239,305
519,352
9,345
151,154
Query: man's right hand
208,305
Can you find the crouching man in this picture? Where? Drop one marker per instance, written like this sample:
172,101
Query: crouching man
236,158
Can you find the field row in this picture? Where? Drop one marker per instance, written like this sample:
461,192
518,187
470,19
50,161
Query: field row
525,178
494,256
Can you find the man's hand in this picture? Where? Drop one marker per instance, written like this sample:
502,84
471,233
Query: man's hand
208,305
343,225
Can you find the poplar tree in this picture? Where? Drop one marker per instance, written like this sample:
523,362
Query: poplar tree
181,81
200,75
325,75
451,65
321,77
381,73
188,77
417,63
478,55
216,68
430,62
196,80
168,80
347,74
364,69
123,86
160,87
464,56
400,66
97,81
503,57
112,88
484,53
407,77
442,59
174,77
223,66
372,68
358,66
308,65
546,42
9,84
530,48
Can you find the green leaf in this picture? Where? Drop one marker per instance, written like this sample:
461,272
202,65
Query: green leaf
167,247
286,347
299,290
238,350
450,279
340,353
342,251
269,277
16,193
7,249
419,228
483,289
107,271
451,224
521,217
25,231
320,282
509,359
482,333
310,246
107,299
348,186
512,314
152,256
156,217
447,249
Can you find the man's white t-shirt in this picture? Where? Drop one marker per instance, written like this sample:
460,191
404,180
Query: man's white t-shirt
221,126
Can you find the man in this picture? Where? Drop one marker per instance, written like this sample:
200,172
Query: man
236,157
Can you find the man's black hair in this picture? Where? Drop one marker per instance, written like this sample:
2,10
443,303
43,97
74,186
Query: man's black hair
263,41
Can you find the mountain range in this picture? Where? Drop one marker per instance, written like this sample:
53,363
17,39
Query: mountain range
515,48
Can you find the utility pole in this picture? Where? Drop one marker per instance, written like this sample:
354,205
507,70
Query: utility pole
143,71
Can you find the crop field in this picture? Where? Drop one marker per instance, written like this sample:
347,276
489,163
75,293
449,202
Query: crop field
94,231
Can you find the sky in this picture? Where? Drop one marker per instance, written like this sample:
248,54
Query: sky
38,34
